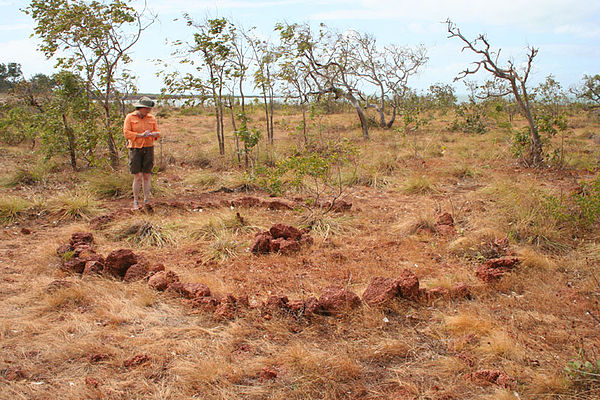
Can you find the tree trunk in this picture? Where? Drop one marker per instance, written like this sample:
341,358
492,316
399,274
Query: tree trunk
71,139
304,124
266,114
391,121
237,139
360,112
535,151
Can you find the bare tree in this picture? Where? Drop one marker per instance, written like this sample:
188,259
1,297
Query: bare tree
326,57
516,79
388,70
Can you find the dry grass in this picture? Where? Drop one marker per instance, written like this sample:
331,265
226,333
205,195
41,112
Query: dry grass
57,342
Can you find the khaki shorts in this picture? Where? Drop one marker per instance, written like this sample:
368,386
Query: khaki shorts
141,160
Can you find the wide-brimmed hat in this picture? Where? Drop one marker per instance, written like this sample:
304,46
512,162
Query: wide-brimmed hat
144,102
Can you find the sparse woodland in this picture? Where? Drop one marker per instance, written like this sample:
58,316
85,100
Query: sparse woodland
337,236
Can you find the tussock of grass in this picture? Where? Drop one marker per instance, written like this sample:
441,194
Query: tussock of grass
75,205
463,171
146,233
325,224
202,179
418,184
11,207
532,259
113,185
222,234
370,177
467,323
479,245
500,344
224,246
231,222
522,210
23,176
73,296
411,227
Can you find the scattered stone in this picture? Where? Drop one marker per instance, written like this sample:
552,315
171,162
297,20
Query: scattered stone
262,243
162,279
408,285
58,284
445,219
280,238
461,291
267,373
13,374
97,357
81,237
312,306
225,310
445,230
100,221
93,268
118,262
63,249
493,376
337,298
155,268
204,303
86,253
285,231
92,382
74,264
276,303
279,204
25,231
493,270
338,206
436,293
189,290
284,246
136,272
380,290
136,360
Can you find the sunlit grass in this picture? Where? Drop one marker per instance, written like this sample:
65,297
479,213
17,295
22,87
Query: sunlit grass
74,205
11,207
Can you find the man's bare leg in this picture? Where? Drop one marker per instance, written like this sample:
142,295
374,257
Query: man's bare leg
137,184
147,185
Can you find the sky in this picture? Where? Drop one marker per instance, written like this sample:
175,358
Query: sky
566,32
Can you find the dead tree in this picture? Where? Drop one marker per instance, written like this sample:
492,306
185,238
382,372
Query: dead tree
326,58
388,70
516,79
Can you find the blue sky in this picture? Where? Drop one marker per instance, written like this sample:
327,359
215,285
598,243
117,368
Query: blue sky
566,32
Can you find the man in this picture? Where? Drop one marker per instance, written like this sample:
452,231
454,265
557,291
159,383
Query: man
141,131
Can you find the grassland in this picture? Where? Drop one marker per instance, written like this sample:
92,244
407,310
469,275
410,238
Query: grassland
81,340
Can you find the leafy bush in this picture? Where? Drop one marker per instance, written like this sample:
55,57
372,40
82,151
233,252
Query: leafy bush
583,370
470,118
315,171
583,210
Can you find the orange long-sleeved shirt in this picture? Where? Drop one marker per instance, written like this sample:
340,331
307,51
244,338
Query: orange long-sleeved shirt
134,124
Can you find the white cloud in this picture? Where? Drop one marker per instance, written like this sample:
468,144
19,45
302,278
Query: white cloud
25,53
15,27
531,13
582,30
178,6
